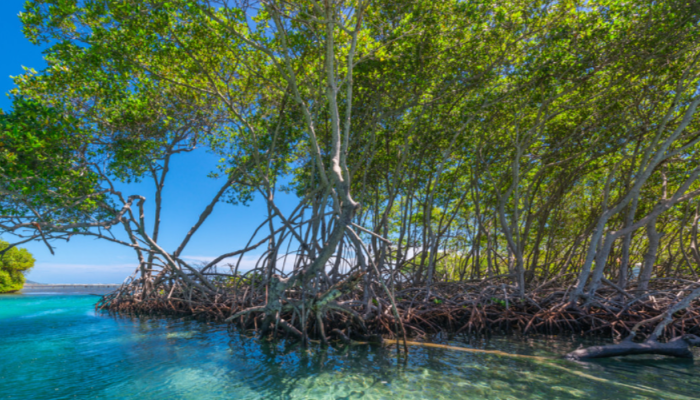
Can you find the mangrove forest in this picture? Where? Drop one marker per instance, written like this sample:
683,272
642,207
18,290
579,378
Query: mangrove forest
480,167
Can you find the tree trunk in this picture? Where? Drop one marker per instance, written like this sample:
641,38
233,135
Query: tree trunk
649,256
625,259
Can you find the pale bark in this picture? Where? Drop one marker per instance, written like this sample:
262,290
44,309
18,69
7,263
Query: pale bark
650,255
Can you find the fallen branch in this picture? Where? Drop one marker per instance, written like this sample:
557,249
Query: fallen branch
678,347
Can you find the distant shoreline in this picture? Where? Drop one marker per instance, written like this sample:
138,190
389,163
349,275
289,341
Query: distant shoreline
68,288
47,285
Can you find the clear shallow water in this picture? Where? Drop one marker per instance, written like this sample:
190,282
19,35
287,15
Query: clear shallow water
57,347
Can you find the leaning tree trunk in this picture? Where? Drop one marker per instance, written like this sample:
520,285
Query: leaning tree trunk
627,241
649,256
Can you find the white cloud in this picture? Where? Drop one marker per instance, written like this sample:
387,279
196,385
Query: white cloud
250,261
204,259
46,272
80,273
247,263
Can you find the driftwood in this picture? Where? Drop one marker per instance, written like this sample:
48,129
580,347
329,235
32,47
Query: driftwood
677,347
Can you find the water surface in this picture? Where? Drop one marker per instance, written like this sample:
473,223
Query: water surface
57,347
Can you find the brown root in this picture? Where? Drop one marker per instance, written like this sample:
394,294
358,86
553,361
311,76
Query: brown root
472,309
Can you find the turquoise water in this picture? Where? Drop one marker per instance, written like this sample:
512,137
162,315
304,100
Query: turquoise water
57,347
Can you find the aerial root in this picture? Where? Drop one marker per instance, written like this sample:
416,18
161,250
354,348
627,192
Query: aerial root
454,309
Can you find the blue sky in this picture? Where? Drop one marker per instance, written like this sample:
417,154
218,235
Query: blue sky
186,193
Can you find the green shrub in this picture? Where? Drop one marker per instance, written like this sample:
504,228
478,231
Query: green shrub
13,265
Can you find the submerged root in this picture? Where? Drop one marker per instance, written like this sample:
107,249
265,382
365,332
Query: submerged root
339,313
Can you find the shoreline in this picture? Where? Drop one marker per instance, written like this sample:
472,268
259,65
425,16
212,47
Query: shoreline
98,289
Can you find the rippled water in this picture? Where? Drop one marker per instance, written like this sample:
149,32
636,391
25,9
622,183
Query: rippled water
57,347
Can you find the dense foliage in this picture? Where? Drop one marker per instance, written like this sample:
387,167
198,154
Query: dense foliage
14,264
542,142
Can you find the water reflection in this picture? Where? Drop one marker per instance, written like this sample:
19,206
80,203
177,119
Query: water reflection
76,353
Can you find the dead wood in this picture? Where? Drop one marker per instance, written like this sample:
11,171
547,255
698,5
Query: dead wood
677,347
